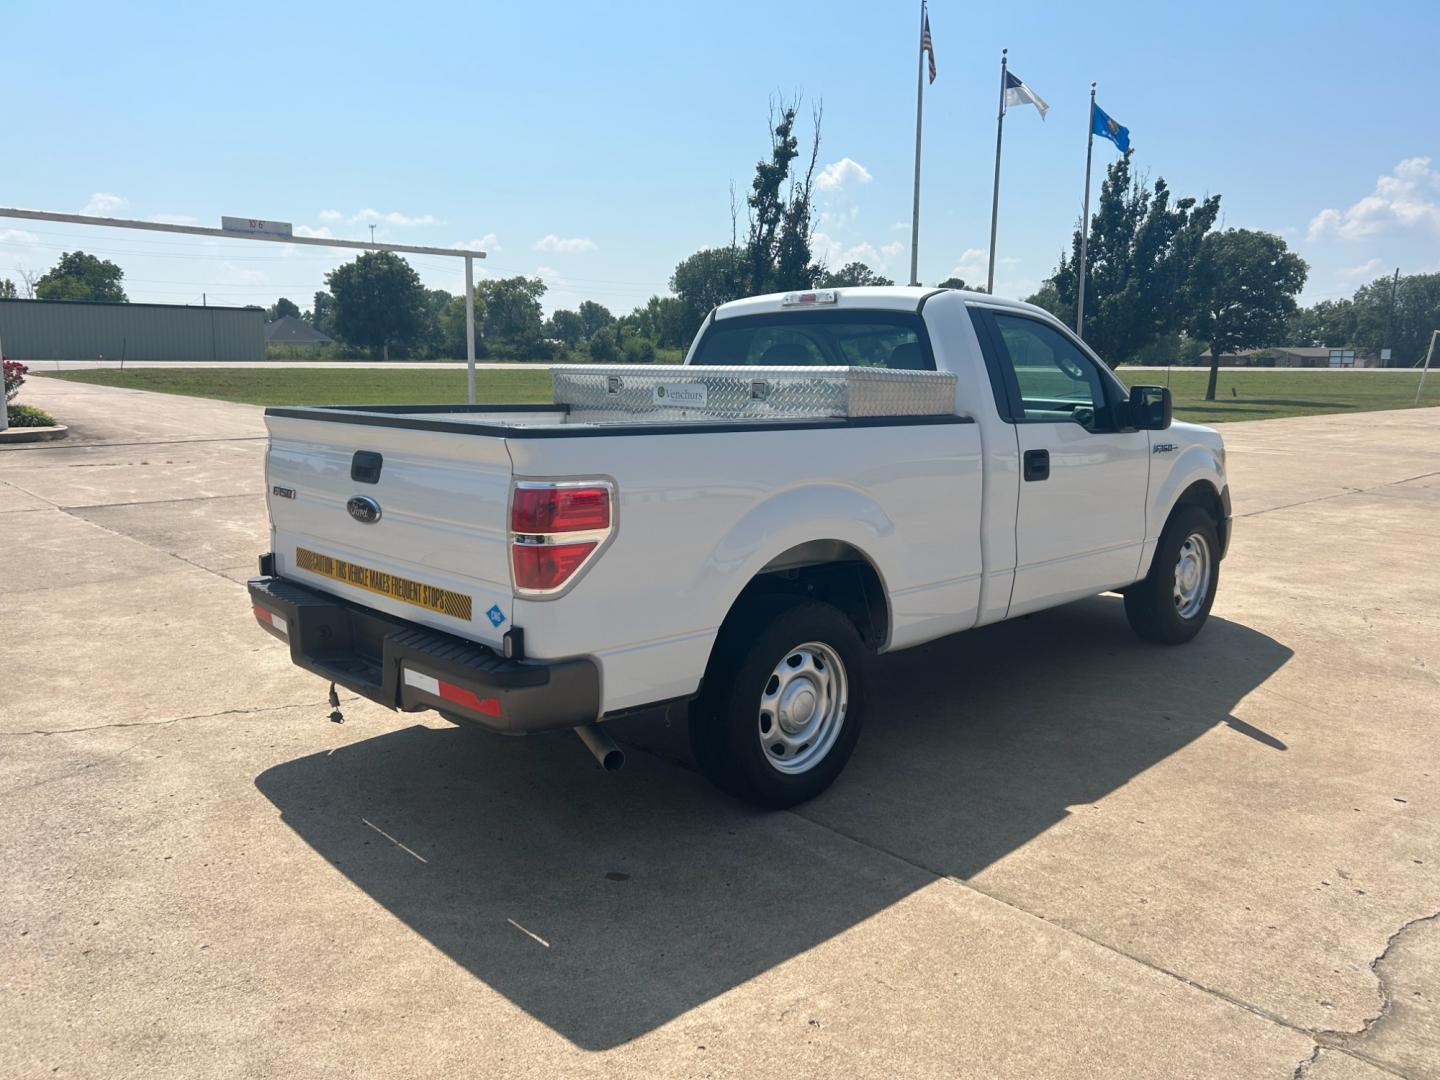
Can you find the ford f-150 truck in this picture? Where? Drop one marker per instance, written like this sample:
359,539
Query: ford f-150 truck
831,475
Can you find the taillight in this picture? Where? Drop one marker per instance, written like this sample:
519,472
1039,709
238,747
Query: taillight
538,510
555,529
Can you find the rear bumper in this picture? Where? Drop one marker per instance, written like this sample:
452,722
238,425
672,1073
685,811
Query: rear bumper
403,666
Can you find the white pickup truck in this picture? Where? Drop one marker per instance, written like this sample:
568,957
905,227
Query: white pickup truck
831,475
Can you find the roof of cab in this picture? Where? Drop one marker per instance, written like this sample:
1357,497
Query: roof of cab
872,297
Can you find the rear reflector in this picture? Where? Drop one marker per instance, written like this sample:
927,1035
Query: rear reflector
559,509
450,692
269,618
548,566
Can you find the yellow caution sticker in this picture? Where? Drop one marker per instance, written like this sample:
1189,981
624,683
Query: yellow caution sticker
430,597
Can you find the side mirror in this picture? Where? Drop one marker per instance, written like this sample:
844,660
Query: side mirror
1150,407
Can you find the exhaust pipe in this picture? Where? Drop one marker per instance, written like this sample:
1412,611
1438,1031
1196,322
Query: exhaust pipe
610,756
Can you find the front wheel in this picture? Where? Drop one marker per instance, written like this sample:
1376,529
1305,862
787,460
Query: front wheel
1172,602
781,710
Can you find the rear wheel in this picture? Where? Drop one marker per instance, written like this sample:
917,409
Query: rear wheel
781,712
1173,601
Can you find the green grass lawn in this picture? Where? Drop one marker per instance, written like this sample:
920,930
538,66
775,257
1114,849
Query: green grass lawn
1244,394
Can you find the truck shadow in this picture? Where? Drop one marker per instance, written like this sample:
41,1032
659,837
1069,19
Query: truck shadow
606,905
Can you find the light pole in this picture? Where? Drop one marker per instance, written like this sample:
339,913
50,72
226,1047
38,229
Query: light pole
372,234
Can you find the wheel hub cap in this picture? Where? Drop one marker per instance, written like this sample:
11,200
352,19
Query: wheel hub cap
802,707
1192,576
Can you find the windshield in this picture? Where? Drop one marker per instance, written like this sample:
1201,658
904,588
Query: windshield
887,339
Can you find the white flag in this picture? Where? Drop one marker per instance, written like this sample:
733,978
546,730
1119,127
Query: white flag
1017,93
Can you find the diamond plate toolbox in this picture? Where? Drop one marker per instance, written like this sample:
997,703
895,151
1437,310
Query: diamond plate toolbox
597,394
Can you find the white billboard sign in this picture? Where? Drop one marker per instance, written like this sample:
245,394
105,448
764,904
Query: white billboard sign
256,227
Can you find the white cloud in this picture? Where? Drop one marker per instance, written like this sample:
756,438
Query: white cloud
564,245
900,226
1407,197
971,263
330,215
835,253
18,236
392,218
839,173
104,204
173,219
240,275
489,243
891,249
317,234
1364,270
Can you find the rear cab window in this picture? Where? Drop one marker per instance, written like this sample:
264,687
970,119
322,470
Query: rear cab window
880,339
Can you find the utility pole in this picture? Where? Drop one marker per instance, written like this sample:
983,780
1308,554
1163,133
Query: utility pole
372,233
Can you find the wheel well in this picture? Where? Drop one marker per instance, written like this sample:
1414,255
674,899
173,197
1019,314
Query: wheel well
830,571
1202,494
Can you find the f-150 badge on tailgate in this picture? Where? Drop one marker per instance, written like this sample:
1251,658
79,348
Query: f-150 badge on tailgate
364,509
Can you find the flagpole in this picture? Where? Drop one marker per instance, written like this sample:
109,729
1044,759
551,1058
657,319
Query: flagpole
995,199
1085,218
919,112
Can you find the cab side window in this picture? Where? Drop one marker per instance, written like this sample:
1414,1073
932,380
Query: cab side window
1056,380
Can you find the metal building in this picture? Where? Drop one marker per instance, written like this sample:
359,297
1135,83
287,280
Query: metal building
84,330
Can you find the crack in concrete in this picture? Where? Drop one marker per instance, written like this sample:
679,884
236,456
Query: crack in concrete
176,719
1347,1042
1338,495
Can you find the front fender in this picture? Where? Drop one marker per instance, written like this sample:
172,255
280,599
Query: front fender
1194,464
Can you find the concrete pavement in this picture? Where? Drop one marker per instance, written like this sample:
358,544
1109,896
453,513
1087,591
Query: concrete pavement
1057,852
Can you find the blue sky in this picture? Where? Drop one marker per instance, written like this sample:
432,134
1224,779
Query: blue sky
595,144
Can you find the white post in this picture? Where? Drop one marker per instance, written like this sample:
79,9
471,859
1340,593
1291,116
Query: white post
1426,369
470,329
4,405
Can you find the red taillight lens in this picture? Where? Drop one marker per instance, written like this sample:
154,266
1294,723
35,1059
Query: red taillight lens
560,509
548,566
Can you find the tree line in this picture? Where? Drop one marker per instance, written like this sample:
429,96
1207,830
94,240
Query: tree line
1163,284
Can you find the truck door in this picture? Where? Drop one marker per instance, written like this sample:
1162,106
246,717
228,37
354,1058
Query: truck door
1080,523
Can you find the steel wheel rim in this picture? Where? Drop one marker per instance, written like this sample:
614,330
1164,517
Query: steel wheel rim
802,707
1192,576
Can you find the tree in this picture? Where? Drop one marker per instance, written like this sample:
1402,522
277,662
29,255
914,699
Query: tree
379,302
706,280
593,316
78,276
510,316
662,320
1243,293
8,290
322,315
283,308
1328,323
854,273
955,283
1140,257
565,326
777,250
604,345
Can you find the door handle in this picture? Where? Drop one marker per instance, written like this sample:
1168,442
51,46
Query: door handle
1037,465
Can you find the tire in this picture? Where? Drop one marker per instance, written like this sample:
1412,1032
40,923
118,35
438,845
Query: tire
1172,602
806,662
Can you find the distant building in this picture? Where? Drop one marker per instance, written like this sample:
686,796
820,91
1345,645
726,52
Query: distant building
288,330
1295,357
86,330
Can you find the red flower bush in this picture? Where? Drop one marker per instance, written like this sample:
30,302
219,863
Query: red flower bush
15,373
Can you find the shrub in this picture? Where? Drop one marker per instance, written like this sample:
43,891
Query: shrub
18,416
15,373
639,350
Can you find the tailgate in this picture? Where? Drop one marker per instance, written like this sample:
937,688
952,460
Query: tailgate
427,540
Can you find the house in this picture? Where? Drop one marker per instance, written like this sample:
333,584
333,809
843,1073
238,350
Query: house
1295,356
288,330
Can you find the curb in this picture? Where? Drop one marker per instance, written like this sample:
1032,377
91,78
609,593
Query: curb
32,434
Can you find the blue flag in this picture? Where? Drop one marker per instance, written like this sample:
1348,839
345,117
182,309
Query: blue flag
1102,125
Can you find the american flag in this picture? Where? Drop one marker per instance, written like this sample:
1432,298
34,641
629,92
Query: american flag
926,45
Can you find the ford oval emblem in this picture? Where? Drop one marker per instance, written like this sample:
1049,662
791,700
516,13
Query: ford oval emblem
364,509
